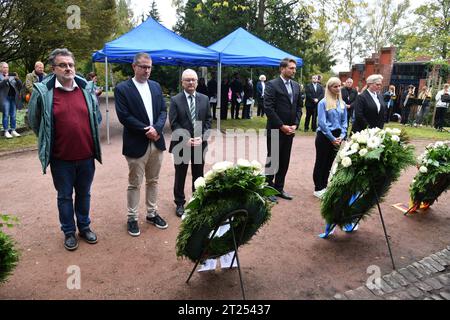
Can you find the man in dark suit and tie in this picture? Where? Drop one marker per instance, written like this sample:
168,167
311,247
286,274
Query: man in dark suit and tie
283,107
314,93
141,109
349,95
370,109
190,120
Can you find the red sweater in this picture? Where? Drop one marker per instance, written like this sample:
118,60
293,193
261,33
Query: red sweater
72,130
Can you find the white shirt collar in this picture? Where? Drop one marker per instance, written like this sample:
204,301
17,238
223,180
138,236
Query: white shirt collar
284,80
188,94
59,85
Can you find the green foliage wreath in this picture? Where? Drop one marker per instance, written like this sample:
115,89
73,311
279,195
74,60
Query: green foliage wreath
9,257
366,166
433,177
224,189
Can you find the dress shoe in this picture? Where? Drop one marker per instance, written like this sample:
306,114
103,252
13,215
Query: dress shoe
272,199
88,236
70,242
179,211
284,195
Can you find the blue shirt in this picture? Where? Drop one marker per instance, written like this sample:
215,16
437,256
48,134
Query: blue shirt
332,119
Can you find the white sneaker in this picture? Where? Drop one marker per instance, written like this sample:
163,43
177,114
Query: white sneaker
319,194
8,135
15,133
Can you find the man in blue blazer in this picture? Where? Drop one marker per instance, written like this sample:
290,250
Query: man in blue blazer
283,107
141,109
190,121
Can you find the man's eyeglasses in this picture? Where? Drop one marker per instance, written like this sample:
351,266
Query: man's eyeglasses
65,65
190,80
144,67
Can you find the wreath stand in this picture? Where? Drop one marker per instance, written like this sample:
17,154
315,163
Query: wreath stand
360,216
226,219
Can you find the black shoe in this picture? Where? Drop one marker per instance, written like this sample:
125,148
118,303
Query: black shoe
89,236
70,242
272,199
284,195
179,211
157,221
133,228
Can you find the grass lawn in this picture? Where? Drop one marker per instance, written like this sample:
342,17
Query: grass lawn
260,123
27,139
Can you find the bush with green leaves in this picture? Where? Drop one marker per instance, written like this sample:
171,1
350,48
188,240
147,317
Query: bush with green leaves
9,256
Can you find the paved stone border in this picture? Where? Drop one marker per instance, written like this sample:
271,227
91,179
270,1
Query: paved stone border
427,279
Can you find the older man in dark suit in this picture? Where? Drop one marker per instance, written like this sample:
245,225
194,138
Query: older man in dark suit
370,109
141,108
190,120
314,93
283,107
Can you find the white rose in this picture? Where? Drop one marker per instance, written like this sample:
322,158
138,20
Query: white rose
373,142
209,176
355,147
200,182
346,162
356,136
362,139
395,138
244,163
222,166
363,152
256,165
423,169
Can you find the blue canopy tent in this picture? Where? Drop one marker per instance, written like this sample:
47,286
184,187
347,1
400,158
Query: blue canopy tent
163,45
241,48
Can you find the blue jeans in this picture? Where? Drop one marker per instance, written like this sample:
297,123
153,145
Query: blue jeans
9,113
69,175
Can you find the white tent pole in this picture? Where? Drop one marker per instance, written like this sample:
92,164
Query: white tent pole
107,100
219,93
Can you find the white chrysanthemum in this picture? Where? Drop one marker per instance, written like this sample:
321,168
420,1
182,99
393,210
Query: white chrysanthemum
200,182
373,142
363,152
423,169
395,138
209,175
355,146
244,163
222,166
346,162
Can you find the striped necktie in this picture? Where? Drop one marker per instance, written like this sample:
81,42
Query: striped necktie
192,108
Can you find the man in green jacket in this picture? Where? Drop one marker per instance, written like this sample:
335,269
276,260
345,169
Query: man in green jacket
62,113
